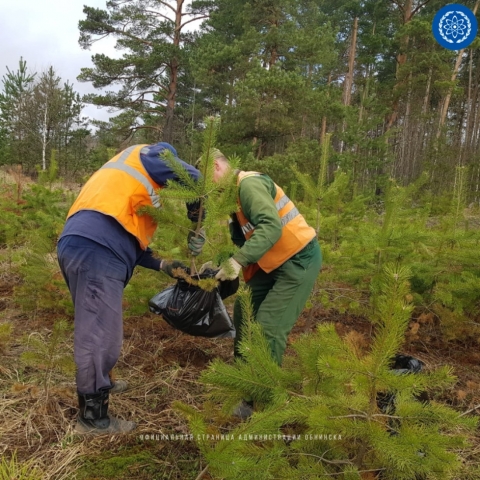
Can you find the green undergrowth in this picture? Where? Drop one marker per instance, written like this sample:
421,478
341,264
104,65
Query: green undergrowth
145,460
126,463
439,246
436,241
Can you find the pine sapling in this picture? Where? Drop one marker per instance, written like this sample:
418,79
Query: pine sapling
216,202
5,336
316,190
47,353
319,416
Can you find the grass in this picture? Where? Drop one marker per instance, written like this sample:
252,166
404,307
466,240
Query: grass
161,365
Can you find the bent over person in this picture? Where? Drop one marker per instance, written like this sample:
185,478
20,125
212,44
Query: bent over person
104,238
279,254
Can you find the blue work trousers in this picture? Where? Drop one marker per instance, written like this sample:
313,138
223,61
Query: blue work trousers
96,278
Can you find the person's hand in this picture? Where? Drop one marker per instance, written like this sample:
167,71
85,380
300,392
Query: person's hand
169,266
195,243
229,270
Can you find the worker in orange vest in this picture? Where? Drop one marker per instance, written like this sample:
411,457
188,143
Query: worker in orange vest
279,255
103,239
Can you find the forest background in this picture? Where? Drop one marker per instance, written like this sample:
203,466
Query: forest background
351,106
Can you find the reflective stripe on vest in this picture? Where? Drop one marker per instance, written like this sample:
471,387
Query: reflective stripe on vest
282,202
248,228
288,217
120,188
119,164
296,233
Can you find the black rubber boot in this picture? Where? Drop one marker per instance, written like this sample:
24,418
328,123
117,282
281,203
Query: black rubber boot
93,417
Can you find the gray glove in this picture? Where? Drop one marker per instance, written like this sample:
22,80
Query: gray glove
195,244
168,267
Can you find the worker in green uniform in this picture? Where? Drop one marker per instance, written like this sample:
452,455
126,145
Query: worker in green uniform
279,254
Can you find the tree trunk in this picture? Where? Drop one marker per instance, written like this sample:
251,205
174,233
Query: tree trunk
401,60
323,130
446,101
44,137
173,83
347,86
472,116
405,162
426,99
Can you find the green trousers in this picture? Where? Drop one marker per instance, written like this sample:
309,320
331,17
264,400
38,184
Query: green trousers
278,297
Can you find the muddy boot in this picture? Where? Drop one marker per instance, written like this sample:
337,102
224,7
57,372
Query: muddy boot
93,417
119,386
243,410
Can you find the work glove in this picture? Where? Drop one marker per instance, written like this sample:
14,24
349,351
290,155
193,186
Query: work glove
229,270
206,266
168,267
195,244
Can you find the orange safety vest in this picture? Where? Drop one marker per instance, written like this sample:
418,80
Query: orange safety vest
296,233
119,189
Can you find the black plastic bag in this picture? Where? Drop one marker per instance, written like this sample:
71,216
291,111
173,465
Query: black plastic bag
400,365
194,311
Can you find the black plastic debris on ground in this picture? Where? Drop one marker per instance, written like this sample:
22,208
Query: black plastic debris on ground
195,311
399,365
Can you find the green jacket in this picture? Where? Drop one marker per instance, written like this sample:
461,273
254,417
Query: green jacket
256,196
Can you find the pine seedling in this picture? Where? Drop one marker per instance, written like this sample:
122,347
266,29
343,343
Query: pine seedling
319,415
47,354
39,269
216,201
333,202
316,190
44,212
5,336
459,196
262,379
51,174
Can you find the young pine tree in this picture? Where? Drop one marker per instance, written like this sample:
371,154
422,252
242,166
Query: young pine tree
216,202
315,190
320,417
49,175
5,336
48,355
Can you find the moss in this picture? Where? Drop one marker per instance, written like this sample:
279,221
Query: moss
135,465
155,461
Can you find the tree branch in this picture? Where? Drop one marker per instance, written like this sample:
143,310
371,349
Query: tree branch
322,459
165,4
417,9
160,15
398,5
110,30
470,411
192,20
